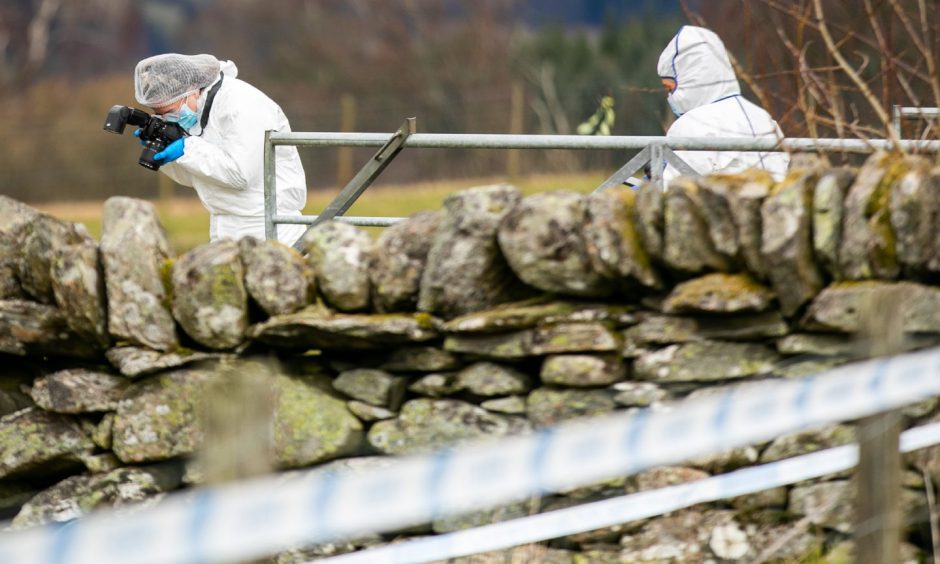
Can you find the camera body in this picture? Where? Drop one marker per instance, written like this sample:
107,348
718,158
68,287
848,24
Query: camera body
155,133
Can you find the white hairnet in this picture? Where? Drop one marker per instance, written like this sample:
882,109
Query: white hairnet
162,79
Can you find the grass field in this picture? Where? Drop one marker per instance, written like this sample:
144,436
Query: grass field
187,222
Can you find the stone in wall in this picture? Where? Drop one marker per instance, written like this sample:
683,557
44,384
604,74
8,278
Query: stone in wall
76,496
739,196
79,291
276,276
543,240
868,239
209,297
78,390
490,379
840,306
650,221
42,237
688,244
539,311
339,254
399,261
787,245
718,293
135,362
35,443
31,328
317,328
828,211
613,242
135,254
914,210
465,270
706,361
582,370
160,417
426,424
14,218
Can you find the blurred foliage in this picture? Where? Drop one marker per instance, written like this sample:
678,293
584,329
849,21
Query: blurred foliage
453,65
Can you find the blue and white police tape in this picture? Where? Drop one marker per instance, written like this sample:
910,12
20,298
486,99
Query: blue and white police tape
624,509
260,517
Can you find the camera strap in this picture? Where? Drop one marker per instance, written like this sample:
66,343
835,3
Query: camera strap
209,98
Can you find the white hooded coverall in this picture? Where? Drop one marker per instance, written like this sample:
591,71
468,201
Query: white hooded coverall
708,101
225,162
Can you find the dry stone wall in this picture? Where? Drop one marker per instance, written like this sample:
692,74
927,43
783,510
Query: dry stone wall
121,366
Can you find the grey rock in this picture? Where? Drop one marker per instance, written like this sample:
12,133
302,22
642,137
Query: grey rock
547,406
718,293
36,443
744,194
209,297
807,366
426,424
538,311
840,307
339,254
663,477
787,247
663,330
30,328
868,239
613,242
436,385
805,442
639,394
159,416
102,433
705,361
42,237
772,498
399,261
828,211
688,242
78,287
135,362
14,218
465,270
375,387
135,254
713,196
78,390
649,220
689,535
914,208
480,518
420,359
367,412
828,504
543,240
550,339
582,370
77,496
817,344
512,405
491,379
276,276
314,328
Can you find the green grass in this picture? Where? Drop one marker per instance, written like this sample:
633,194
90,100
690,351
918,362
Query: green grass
187,222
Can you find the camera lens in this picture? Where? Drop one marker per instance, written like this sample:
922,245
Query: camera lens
146,156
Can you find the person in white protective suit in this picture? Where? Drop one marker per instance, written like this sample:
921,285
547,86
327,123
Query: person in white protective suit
704,93
223,156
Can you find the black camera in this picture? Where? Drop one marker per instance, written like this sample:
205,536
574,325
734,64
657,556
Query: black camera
155,133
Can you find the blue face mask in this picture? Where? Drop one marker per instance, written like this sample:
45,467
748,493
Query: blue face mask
185,117
673,106
188,118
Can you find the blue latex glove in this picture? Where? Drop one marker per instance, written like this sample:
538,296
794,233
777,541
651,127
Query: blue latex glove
137,135
172,152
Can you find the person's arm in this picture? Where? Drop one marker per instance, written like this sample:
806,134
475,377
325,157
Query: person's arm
700,161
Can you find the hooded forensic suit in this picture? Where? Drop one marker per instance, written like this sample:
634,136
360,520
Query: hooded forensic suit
224,162
708,102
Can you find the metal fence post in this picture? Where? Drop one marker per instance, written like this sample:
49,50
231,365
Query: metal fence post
270,189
